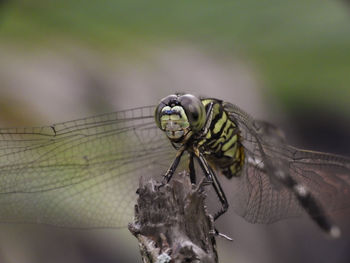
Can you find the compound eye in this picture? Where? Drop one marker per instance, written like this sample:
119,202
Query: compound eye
157,112
195,111
163,103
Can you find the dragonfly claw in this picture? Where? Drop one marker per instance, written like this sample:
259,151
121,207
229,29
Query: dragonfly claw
217,233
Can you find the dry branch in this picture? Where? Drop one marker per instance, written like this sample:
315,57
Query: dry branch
171,222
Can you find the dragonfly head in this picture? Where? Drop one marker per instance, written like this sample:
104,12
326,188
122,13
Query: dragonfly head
177,115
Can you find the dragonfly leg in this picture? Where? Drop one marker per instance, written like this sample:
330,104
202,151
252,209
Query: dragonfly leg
192,170
211,177
170,172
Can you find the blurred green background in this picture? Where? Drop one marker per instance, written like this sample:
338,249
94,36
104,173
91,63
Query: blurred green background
285,61
301,49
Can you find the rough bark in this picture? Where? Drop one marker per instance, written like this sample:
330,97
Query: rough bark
172,224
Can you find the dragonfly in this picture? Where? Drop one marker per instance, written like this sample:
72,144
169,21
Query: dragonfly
84,173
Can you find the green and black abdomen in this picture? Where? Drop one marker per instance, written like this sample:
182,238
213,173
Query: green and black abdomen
222,146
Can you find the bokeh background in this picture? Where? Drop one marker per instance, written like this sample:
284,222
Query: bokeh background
283,61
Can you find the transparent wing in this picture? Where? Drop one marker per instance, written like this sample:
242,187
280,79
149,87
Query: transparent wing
260,197
81,173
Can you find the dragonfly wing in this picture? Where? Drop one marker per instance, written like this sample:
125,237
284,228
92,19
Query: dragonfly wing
327,176
258,200
261,197
81,173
